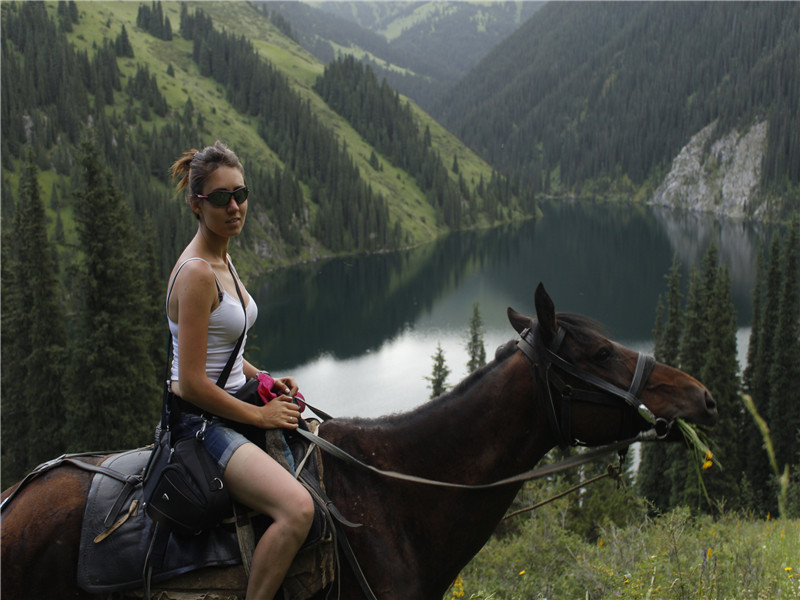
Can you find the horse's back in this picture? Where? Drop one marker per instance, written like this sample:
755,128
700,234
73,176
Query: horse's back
41,528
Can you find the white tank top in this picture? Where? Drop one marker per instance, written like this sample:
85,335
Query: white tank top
224,328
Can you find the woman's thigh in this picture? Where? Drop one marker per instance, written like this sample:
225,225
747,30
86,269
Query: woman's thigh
256,480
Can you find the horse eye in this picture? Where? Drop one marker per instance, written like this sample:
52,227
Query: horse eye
602,355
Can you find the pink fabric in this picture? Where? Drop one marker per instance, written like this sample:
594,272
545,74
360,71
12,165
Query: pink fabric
265,385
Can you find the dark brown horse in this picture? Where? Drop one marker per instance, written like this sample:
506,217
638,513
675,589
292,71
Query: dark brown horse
498,422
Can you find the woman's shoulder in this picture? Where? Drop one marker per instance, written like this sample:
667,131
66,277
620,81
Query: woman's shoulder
193,272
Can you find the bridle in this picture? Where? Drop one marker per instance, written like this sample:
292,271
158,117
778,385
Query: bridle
545,358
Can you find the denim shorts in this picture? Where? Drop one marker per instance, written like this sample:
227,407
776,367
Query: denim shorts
220,440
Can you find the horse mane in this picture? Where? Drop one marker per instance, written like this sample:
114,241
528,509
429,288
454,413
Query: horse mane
578,326
400,418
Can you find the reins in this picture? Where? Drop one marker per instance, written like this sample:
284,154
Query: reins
568,463
613,471
644,366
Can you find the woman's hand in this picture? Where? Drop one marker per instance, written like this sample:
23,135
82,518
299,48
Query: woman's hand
286,386
280,413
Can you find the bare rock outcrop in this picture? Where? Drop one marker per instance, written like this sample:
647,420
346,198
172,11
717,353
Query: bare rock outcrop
722,177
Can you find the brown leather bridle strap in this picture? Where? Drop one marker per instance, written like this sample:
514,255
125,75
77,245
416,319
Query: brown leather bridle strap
544,358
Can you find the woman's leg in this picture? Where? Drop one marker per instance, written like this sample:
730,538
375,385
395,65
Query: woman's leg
259,482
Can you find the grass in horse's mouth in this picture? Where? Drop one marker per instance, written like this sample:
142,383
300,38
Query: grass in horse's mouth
705,458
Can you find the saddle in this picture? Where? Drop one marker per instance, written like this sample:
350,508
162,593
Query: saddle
117,537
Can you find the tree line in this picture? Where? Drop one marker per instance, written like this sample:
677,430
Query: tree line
351,216
80,367
698,335
585,96
376,111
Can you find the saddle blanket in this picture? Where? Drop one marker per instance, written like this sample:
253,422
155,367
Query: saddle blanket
116,561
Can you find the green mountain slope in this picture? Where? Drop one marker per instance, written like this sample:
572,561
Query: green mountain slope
421,48
598,98
66,69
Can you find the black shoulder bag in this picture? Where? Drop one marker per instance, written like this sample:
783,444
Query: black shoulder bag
183,486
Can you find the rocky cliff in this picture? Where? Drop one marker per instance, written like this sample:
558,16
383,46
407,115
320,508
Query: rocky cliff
721,177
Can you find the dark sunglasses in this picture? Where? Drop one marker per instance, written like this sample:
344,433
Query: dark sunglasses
223,197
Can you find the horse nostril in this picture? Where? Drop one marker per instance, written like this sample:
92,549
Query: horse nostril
711,404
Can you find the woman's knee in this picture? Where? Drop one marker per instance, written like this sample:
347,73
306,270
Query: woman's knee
303,509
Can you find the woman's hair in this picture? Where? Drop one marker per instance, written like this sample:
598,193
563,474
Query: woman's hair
193,168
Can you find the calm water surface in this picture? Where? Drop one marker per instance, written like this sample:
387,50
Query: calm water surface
359,333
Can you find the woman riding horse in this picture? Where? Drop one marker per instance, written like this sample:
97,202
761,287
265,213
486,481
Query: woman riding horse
563,382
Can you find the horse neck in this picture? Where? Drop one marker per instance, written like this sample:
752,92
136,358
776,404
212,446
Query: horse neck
490,427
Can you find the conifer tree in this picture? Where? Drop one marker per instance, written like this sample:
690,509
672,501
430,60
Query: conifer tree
783,409
758,372
757,468
651,480
476,349
669,347
438,378
684,484
719,374
14,459
34,345
114,389
122,45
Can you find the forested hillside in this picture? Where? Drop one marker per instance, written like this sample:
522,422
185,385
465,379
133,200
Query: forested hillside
149,95
598,98
98,99
420,48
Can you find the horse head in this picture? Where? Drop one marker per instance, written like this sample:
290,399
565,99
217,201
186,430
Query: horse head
594,386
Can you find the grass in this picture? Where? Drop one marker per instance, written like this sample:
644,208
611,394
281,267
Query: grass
674,556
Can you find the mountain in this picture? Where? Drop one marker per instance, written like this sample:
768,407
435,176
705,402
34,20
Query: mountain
421,48
151,80
599,98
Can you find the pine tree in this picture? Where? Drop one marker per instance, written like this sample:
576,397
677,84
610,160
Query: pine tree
783,410
671,340
720,375
114,389
757,374
476,349
695,340
122,45
36,338
651,480
757,467
438,378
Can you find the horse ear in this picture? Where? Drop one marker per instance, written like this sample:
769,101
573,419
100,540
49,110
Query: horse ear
518,321
546,314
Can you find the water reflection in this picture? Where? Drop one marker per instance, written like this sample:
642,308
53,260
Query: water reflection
361,330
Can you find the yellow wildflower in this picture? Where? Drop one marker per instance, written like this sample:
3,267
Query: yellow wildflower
522,572
708,463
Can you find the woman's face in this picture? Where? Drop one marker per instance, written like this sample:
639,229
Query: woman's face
228,220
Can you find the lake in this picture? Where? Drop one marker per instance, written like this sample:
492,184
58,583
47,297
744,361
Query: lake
359,333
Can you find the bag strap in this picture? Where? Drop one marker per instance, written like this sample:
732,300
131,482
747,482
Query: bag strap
226,371
223,377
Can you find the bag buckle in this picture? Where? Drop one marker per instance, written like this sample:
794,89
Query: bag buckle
200,435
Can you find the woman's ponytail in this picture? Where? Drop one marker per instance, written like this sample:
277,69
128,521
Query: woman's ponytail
181,169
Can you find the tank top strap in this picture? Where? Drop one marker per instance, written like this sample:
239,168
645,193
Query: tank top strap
172,283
